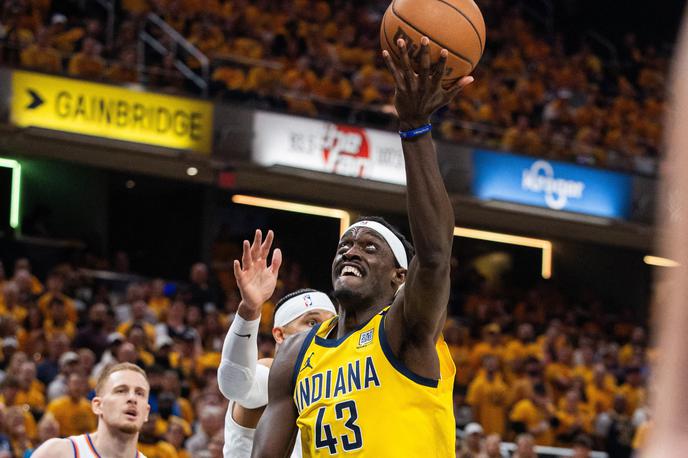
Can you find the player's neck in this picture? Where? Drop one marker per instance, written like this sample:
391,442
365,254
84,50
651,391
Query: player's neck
353,318
113,443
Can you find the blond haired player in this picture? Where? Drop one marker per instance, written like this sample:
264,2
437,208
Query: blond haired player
377,380
121,405
240,379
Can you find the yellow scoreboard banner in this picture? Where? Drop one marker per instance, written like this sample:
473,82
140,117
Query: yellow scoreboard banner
112,112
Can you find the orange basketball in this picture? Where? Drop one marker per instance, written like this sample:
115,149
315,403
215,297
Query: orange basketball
455,25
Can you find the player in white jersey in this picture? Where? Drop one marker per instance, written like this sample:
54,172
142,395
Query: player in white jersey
243,379
121,405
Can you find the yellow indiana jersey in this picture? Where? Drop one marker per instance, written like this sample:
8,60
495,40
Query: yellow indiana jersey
355,397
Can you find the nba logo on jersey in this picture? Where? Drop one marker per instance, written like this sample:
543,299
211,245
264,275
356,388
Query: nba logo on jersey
307,300
365,339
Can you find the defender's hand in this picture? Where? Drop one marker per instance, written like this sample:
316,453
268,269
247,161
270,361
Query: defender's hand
257,280
419,95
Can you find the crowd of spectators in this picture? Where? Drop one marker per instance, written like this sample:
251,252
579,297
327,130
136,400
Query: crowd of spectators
533,366
535,92
539,368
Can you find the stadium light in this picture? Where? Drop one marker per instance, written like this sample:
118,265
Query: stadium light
295,207
660,262
544,245
15,194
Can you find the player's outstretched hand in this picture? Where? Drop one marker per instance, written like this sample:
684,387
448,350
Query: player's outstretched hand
419,95
257,280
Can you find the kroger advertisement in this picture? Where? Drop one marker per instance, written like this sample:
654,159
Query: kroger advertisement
551,184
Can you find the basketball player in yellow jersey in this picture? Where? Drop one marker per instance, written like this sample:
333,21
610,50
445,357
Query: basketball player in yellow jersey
377,380
121,405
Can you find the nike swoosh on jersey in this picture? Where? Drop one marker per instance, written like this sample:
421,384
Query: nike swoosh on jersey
243,335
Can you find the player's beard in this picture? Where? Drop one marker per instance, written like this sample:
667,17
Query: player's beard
128,428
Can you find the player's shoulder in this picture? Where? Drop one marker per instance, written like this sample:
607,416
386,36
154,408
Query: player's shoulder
289,355
54,447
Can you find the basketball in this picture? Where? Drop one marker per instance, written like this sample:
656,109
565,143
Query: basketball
455,25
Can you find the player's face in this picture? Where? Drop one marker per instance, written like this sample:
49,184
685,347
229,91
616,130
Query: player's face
306,321
123,403
363,266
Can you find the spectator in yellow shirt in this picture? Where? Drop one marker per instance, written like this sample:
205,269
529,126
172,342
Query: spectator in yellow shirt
124,70
57,321
22,266
10,304
535,415
457,338
72,411
158,302
573,419
32,390
88,63
635,346
491,345
151,445
9,396
15,427
488,395
41,55
633,390
522,347
139,316
176,436
55,290
600,393
559,374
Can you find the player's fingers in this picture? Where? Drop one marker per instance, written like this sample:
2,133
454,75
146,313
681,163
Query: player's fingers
406,67
237,270
255,246
267,243
424,61
439,68
396,74
246,255
465,81
450,93
276,261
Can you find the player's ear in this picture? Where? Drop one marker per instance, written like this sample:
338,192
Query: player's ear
278,334
399,276
147,411
97,405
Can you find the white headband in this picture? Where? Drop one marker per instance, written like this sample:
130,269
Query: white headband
301,304
392,240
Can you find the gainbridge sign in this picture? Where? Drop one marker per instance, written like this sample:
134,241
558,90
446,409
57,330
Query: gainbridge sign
326,147
112,112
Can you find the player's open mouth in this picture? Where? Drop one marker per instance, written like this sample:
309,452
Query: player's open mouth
131,414
350,270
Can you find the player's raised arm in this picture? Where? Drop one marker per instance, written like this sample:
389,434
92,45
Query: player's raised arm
670,403
276,431
431,217
256,280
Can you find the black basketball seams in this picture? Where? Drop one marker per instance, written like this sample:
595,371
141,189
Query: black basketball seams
480,41
460,56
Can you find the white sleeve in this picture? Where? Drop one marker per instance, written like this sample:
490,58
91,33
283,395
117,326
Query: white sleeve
238,377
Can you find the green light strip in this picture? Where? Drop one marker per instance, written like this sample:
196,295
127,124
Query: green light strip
16,190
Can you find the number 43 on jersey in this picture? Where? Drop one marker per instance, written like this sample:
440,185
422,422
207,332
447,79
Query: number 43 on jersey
350,441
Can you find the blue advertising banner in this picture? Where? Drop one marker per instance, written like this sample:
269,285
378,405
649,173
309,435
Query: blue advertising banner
551,184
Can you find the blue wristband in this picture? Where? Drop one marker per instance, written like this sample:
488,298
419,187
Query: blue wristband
417,132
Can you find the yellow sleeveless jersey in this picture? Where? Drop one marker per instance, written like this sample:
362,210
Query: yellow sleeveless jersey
355,398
